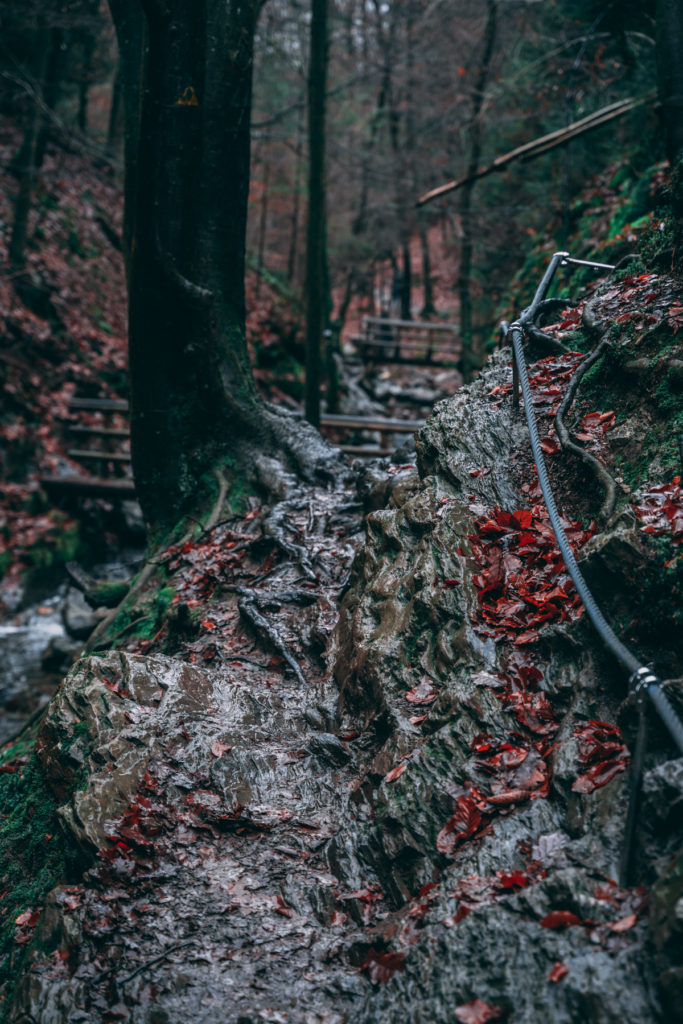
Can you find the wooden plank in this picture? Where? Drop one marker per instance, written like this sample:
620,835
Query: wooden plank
421,325
368,451
385,359
385,425
76,428
94,453
98,404
89,486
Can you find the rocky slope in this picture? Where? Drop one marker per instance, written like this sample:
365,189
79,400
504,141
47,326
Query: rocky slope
410,806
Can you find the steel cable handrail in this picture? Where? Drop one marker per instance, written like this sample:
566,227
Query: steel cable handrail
642,680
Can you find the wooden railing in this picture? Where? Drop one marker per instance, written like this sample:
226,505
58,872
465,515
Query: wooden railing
107,446
409,341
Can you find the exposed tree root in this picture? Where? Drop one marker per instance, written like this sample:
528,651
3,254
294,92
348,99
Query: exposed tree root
545,341
147,572
247,605
597,467
275,526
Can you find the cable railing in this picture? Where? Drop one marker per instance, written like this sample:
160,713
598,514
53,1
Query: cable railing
643,683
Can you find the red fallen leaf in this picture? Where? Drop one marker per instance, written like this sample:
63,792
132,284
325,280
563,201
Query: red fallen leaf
463,825
598,775
461,913
478,1012
475,472
218,748
29,919
417,719
395,773
381,966
549,446
208,624
560,919
117,688
624,924
348,736
559,971
449,584
366,895
423,693
513,879
70,898
282,908
512,796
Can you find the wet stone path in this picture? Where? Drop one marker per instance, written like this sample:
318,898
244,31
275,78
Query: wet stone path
209,794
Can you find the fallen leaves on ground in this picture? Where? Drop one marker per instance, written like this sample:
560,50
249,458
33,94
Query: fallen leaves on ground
467,821
660,510
423,693
382,965
558,972
602,752
478,1012
523,583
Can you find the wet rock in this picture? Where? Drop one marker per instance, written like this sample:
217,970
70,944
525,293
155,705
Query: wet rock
58,655
78,617
666,916
328,749
663,796
415,661
134,522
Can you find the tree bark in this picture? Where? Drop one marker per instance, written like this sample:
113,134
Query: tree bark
115,125
187,79
469,356
428,304
50,91
316,234
670,87
26,161
294,229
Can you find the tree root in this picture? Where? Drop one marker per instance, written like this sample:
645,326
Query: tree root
605,478
147,572
247,605
545,341
275,525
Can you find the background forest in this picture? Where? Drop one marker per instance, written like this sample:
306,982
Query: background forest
286,734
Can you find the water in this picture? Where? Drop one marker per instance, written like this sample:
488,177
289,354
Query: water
25,685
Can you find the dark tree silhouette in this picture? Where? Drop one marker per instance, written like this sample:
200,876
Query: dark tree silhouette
316,273
670,83
187,79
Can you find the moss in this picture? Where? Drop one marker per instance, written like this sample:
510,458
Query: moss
109,593
33,854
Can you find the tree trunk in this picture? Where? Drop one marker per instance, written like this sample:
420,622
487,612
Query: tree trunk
470,358
406,282
115,125
263,225
294,229
84,83
315,248
25,164
428,304
670,83
50,92
187,77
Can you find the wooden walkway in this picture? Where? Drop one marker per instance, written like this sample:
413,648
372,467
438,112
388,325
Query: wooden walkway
414,342
110,450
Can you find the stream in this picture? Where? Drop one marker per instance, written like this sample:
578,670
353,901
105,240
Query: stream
37,648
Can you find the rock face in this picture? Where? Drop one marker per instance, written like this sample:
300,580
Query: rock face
441,847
